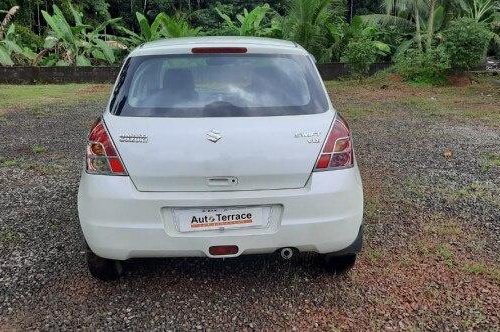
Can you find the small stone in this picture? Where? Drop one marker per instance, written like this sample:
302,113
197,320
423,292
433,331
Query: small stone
448,153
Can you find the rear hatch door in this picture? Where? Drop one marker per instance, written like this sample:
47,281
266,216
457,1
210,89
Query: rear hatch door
219,154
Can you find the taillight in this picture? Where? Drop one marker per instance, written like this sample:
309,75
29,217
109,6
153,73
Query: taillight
102,157
337,151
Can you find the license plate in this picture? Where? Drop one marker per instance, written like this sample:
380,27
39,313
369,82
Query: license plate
190,220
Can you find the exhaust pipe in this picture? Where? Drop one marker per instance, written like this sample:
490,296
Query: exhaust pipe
286,253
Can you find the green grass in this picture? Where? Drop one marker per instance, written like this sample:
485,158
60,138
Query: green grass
372,208
445,254
39,95
450,105
414,187
476,268
44,169
373,255
40,111
6,162
414,190
8,237
24,164
356,112
444,228
490,160
38,148
486,192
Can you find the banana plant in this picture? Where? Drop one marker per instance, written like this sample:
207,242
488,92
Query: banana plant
163,26
359,30
10,50
486,11
337,34
250,23
79,44
147,32
9,14
177,26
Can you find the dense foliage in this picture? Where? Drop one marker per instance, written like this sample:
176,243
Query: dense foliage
467,42
428,67
439,35
360,55
10,50
425,38
78,44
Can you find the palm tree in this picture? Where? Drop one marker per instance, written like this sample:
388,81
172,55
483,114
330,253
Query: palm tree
306,23
423,17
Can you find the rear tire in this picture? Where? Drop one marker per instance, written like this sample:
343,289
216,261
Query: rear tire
339,264
103,268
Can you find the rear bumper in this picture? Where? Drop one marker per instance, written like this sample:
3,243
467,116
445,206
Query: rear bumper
120,222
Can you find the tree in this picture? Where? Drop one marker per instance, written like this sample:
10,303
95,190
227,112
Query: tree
466,41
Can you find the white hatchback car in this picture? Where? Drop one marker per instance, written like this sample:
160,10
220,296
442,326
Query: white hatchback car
218,147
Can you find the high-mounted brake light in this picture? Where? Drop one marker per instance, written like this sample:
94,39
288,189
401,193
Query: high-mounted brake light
102,157
211,50
337,151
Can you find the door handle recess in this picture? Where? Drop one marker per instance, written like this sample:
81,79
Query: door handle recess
222,181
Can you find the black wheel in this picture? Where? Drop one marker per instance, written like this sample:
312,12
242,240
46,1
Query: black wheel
103,268
339,264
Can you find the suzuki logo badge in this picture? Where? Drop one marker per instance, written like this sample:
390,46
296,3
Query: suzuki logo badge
214,136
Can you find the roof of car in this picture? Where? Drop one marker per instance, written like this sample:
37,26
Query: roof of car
184,45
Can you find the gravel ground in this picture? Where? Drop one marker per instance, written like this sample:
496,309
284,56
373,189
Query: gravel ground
431,259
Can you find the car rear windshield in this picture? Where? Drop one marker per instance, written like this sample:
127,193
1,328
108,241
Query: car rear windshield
218,85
